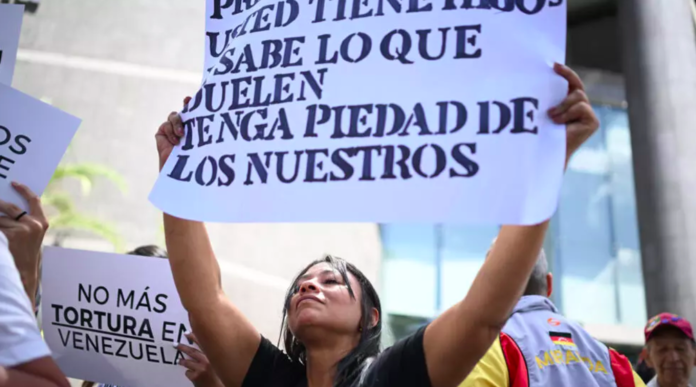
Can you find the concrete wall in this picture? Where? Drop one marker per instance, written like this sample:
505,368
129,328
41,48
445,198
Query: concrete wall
122,66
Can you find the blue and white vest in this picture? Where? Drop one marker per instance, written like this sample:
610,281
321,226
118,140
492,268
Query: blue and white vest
556,351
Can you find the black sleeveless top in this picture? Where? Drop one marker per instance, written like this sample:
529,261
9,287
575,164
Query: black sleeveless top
402,365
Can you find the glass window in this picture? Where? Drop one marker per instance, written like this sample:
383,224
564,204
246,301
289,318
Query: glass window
584,264
597,251
463,251
408,274
629,274
592,245
427,269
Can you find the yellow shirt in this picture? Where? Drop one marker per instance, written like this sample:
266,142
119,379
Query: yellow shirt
491,370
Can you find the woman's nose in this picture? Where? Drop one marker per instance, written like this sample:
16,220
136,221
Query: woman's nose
307,287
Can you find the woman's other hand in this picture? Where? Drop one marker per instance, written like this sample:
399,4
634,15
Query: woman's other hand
169,134
199,372
575,112
25,231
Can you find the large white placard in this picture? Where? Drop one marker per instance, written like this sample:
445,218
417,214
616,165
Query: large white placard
10,28
113,318
373,110
33,138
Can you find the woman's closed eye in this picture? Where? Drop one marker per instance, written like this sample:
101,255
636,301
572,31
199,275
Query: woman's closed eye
331,281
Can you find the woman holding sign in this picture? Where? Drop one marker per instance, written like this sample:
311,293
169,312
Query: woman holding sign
332,325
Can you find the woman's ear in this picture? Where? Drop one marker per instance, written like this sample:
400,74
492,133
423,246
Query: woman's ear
374,318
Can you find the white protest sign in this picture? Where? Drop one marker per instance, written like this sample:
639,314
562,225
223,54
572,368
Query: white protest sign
33,138
10,28
113,318
374,111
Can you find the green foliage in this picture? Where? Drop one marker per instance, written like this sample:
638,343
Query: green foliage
66,219
87,173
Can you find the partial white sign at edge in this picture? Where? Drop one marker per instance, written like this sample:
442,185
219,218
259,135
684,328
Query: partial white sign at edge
33,139
10,30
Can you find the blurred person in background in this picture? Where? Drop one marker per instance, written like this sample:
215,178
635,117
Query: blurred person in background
671,351
643,369
539,347
25,359
199,371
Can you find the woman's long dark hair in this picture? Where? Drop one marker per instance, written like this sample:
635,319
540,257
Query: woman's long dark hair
351,367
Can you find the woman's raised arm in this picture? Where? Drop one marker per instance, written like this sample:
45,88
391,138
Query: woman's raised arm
226,336
456,340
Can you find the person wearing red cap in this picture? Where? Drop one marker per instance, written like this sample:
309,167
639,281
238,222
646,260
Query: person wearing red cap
671,350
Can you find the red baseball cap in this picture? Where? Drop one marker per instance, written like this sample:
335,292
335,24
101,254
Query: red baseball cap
668,319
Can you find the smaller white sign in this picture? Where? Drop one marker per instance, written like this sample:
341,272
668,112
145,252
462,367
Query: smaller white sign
113,318
10,28
33,138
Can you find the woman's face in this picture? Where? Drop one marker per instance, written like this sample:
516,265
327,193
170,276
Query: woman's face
321,300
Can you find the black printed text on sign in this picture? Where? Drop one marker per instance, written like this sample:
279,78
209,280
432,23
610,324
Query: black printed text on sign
33,139
373,111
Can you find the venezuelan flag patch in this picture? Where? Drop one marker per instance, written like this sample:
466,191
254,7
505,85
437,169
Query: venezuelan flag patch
562,338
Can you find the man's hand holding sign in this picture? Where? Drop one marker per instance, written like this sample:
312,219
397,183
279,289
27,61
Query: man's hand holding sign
30,364
25,231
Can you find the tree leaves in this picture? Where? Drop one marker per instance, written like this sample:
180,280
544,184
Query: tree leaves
67,219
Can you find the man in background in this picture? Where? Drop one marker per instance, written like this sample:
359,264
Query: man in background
670,350
539,347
